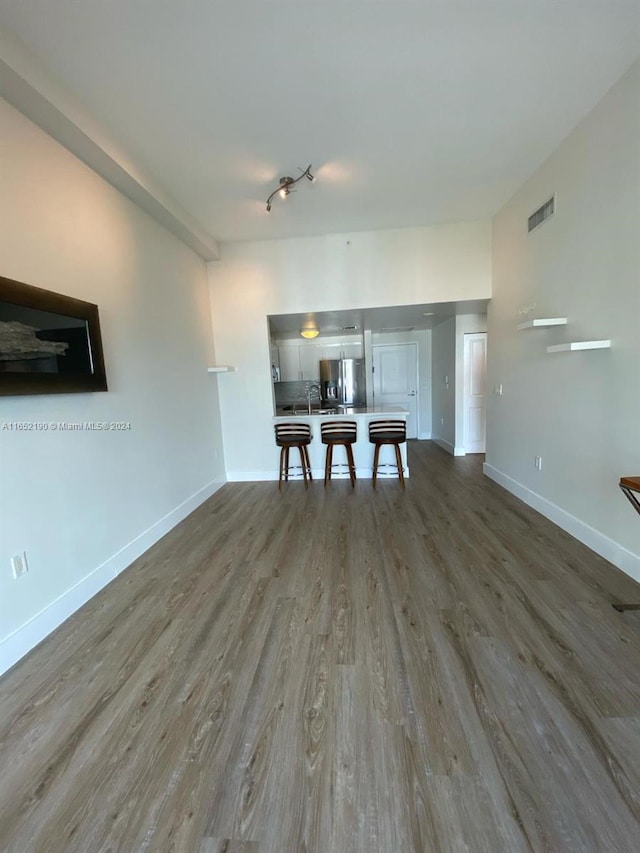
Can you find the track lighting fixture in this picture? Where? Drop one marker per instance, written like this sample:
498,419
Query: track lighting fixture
286,183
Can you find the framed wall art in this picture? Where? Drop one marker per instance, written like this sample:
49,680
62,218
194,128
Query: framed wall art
49,343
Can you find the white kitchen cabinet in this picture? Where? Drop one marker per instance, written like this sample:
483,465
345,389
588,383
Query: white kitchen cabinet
289,363
332,350
352,349
300,360
274,355
342,349
310,355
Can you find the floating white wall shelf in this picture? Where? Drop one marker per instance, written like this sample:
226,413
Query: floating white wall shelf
579,345
542,322
223,368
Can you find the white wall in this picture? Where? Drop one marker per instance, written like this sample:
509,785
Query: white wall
75,500
334,272
422,338
580,411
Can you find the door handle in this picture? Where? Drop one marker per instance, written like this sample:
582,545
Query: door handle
411,394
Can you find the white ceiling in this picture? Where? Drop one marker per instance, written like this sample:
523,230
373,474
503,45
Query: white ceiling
383,319
410,112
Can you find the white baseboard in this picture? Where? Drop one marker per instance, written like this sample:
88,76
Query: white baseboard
27,636
252,476
450,448
617,554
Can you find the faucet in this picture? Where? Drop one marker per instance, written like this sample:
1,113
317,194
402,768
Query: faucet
310,389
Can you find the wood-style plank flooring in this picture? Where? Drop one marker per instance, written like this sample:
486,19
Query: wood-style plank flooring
337,671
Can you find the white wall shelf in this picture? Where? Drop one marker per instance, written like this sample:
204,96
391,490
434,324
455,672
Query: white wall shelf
543,322
221,368
580,345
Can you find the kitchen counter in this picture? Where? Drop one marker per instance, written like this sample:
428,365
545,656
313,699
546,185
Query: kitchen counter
379,411
362,449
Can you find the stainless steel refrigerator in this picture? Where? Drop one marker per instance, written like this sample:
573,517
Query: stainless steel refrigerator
342,382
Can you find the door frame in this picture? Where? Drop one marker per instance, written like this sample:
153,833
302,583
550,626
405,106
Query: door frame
465,373
416,351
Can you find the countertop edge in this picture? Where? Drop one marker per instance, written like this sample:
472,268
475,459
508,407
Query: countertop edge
391,411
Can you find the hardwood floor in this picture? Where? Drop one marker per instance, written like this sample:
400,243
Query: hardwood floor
334,671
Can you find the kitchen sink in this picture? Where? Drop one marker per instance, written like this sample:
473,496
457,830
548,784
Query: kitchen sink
303,410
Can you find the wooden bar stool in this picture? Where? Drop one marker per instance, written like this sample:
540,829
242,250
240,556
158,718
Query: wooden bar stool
388,432
631,488
293,435
339,433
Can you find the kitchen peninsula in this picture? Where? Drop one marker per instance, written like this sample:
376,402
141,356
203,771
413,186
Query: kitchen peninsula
362,449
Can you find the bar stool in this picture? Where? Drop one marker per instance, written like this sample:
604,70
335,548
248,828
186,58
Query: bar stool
631,488
293,435
388,432
339,433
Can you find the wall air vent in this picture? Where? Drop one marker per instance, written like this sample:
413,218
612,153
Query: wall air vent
542,214
398,329
348,328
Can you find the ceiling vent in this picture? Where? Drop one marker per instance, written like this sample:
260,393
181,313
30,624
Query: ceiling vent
398,329
541,214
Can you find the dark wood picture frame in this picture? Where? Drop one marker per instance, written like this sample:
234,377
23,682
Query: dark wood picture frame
92,378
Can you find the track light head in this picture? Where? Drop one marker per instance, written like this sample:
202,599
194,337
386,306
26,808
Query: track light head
286,183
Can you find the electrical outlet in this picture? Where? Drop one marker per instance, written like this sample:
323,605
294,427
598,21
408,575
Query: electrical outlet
497,390
441,421
19,565
538,463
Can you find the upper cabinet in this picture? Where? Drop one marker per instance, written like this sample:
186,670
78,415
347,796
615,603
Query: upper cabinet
300,360
352,349
310,355
342,349
289,363
274,354
331,350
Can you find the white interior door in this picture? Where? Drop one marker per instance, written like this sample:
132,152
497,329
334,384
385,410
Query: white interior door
395,380
475,372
